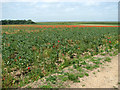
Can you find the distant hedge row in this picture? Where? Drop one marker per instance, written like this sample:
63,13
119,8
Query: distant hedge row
6,22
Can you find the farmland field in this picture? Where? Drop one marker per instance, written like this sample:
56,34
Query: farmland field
32,52
77,23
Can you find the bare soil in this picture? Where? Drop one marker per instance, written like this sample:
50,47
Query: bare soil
107,77
104,77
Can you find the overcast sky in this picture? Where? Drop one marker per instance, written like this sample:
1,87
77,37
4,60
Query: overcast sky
61,11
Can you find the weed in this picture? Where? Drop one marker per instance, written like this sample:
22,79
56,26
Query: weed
108,59
73,77
45,86
52,79
86,74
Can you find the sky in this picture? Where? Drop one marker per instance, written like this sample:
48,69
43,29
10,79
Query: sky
42,11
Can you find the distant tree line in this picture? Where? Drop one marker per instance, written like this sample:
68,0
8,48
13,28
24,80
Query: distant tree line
6,22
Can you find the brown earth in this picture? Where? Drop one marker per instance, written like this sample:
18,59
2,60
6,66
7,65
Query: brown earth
106,78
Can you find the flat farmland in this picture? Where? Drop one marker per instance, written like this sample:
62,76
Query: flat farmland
54,54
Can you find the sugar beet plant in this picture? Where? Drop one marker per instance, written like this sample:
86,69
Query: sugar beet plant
37,52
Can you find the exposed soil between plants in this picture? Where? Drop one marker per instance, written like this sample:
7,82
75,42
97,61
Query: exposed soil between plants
106,78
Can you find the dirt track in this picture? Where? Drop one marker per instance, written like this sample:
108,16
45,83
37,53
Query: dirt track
106,78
